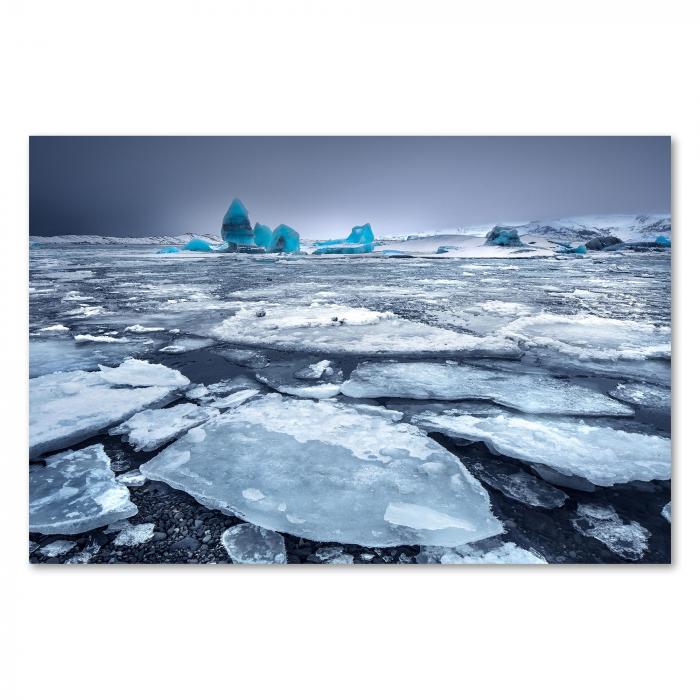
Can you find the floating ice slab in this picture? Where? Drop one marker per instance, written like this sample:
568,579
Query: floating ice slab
327,472
250,544
87,338
589,337
186,345
133,535
68,407
530,393
600,455
646,395
627,540
332,328
508,553
76,492
150,429
235,399
317,370
246,358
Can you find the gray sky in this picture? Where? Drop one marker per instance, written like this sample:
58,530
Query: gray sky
322,186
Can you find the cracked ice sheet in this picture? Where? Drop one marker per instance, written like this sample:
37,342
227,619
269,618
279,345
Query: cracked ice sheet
528,392
600,455
76,492
68,407
150,429
328,472
332,328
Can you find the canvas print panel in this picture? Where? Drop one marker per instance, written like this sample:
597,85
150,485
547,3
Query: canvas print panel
397,351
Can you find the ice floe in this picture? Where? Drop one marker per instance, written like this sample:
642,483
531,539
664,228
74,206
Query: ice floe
75,492
235,399
333,555
148,430
530,393
67,407
508,553
333,328
250,544
627,540
601,455
132,478
328,472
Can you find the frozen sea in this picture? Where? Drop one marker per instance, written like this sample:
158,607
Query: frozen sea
548,379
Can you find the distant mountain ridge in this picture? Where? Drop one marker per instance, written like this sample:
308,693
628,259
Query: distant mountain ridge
177,239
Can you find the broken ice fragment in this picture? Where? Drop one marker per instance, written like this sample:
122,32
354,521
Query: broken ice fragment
507,553
250,544
75,492
666,511
57,548
142,373
638,394
132,478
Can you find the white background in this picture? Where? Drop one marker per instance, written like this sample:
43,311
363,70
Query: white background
359,67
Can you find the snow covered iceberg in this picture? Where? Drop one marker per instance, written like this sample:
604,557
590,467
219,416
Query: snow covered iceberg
328,472
360,240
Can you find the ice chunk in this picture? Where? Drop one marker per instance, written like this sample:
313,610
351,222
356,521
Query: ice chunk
603,456
68,407
86,338
666,511
197,392
334,468
333,328
530,393
85,555
57,548
55,328
142,373
304,391
508,553
76,492
132,478
589,337
317,370
138,328
186,345
646,395
170,249
333,555
520,486
197,245
628,541
246,358
150,429
283,239
133,535
250,544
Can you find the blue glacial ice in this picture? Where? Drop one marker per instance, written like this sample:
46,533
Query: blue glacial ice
250,544
360,240
68,407
530,393
198,245
284,239
75,492
496,553
235,228
297,466
504,236
170,249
